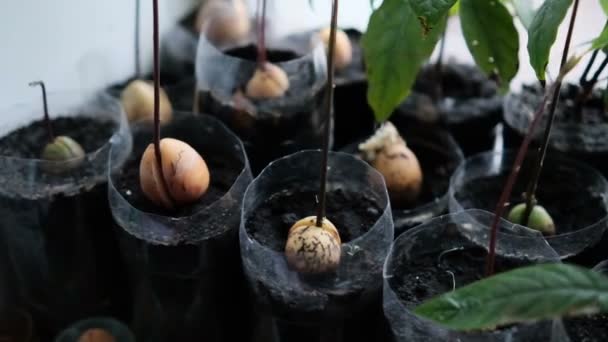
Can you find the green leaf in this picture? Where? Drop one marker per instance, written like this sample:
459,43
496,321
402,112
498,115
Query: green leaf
455,9
525,11
604,4
394,49
542,33
601,41
429,12
522,295
491,36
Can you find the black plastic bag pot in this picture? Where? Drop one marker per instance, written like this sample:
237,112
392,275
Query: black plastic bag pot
572,192
55,216
184,266
441,255
341,305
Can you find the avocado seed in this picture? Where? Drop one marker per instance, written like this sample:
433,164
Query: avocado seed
185,171
64,152
138,102
311,249
343,53
96,335
539,218
223,21
268,81
388,153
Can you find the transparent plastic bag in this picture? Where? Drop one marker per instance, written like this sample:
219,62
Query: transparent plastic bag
185,271
433,242
56,225
269,128
328,301
572,192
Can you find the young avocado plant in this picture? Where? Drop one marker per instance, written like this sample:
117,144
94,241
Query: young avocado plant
171,172
269,80
421,24
313,244
59,148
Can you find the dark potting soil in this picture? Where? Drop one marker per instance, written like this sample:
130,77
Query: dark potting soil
587,329
353,213
223,171
419,279
571,204
458,81
29,141
590,112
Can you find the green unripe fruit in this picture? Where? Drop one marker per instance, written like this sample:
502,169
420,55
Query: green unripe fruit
539,218
64,152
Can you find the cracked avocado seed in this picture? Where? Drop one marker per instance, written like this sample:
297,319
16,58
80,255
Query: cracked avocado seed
185,171
388,153
311,249
343,53
223,21
269,81
539,218
138,102
96,335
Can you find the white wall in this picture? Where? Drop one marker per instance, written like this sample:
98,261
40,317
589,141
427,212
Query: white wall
86,43
73,43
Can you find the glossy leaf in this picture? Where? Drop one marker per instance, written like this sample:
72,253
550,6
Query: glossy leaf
522,295
394,48
542,33
491,36
601,41
429,12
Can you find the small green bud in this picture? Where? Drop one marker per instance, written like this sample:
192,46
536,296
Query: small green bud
539,218
63,149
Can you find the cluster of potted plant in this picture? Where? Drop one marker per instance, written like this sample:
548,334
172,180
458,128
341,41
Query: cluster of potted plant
135,214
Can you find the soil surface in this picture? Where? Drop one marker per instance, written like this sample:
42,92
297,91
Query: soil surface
30,140
223,170
587,329
589,112
426,276
353,213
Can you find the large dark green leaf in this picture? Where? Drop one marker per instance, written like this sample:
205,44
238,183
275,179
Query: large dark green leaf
491,36
542,33
394,49
429,12
522,295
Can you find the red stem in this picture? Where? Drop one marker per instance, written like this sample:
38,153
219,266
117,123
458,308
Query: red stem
47,118
329,100
157,152
508,189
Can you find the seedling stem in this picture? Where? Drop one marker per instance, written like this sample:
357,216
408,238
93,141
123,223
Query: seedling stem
47,118
262,34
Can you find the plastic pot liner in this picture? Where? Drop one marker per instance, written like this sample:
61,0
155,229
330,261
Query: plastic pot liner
519,109
116,329
56,225
185,271
562,171
269,128
267,272
454,232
